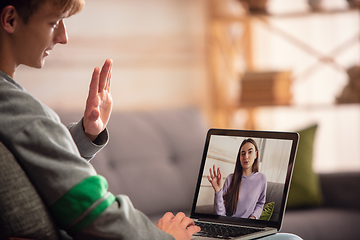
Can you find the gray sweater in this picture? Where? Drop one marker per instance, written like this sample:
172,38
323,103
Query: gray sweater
55,158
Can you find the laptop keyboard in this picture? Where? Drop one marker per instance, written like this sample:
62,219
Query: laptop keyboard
220,231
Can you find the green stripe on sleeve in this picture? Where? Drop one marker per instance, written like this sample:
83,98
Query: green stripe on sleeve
78,199
92,215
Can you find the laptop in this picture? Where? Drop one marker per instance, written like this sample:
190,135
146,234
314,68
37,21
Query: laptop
271,181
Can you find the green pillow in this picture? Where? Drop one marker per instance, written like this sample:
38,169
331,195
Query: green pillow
267,211
305,188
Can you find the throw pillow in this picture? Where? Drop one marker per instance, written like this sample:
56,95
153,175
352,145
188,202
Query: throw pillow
267,211
305,188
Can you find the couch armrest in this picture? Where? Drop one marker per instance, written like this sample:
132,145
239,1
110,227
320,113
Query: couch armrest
23,214
341,190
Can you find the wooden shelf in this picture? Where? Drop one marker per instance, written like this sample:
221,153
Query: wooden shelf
305,13
231,38
284,15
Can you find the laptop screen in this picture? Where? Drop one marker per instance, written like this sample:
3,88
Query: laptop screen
245,175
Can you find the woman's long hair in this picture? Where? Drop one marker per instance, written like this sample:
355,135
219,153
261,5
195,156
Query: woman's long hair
231,197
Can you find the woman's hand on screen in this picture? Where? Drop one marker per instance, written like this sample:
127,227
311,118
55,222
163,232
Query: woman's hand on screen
215,178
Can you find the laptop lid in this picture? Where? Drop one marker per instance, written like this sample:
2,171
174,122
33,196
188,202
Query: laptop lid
276,155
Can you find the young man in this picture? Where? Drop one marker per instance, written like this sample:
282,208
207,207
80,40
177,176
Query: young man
55,157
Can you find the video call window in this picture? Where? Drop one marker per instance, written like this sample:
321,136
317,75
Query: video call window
273,159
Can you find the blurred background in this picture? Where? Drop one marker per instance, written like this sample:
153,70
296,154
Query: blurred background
269,65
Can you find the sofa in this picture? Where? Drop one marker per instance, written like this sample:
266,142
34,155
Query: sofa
154,158
338,217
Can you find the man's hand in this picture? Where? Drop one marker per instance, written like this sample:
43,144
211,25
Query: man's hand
99,102
179,226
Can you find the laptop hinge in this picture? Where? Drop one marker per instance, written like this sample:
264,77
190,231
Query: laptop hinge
253,224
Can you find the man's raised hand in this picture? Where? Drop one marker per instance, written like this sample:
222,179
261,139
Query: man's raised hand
99,102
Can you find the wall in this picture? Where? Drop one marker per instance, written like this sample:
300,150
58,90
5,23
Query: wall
337,138
158,48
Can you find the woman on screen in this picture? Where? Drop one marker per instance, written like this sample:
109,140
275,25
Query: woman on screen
244,191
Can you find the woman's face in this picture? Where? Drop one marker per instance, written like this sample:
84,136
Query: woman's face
248,155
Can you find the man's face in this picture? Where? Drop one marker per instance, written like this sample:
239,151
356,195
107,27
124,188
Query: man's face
36,38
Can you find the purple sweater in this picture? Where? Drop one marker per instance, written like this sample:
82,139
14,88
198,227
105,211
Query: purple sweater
251,197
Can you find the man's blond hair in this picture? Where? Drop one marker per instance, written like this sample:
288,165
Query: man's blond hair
26,8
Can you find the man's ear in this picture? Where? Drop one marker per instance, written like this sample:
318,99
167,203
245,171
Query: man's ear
9,18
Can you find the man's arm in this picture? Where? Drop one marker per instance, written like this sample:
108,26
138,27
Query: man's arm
121,217
87,148
90,134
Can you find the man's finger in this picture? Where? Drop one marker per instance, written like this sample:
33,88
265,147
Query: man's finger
180,217
94,84
168,216
104,74
193,229
108,82
187,222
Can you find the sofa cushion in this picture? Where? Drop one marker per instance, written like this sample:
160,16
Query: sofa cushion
22,212
322,223
274,193
305,188
267,211
341,190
